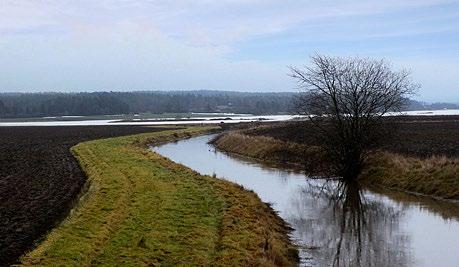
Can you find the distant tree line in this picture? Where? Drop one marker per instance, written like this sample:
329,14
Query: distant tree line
22,105
106,103
416,105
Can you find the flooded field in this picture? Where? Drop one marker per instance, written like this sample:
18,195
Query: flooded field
87,121
335,223
194,118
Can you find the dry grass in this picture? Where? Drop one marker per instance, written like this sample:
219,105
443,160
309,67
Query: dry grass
260,147
436,176
251,233
270,150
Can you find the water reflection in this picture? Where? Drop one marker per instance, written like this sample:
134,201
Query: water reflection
344,228
336,223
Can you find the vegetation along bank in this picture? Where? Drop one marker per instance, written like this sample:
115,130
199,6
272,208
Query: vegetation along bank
413,161
143,209
40,180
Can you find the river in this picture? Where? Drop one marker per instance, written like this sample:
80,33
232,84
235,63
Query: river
338,224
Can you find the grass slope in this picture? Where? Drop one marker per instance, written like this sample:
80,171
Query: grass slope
274,152
143,209
261,147
434,176
40,180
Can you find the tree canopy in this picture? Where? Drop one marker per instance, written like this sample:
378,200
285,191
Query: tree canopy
346,99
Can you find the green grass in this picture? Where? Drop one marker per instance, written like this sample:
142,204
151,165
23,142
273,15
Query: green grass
142,209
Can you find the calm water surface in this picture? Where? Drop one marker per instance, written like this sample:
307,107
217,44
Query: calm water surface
338,224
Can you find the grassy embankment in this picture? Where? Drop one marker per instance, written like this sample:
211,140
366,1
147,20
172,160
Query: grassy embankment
143,209
435,176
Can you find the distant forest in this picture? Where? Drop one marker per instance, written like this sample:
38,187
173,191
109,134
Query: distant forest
109,103
18,105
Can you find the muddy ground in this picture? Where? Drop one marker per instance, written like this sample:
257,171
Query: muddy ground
420,136
40,179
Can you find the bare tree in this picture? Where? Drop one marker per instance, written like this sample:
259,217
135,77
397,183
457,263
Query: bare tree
346,99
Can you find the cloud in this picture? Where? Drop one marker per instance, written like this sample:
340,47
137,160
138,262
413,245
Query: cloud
203,44
126,56
210,23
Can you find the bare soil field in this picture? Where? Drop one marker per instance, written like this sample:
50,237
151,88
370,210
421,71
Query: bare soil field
420,136
422,157
40,180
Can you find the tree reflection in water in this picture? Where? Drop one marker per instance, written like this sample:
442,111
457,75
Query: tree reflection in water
340,227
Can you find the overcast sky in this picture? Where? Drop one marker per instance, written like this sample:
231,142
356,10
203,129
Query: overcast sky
243,45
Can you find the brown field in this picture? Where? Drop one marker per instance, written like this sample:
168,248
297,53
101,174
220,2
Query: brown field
420,136
423,157
40,180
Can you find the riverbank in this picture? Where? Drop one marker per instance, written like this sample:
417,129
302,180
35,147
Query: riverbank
436,176
142,208
40,180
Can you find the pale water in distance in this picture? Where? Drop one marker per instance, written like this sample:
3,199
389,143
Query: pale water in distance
207,120
235,118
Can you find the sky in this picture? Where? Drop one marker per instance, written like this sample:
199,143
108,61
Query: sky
123,45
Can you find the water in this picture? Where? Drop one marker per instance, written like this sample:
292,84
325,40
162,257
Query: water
235,118
92,122
338,224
